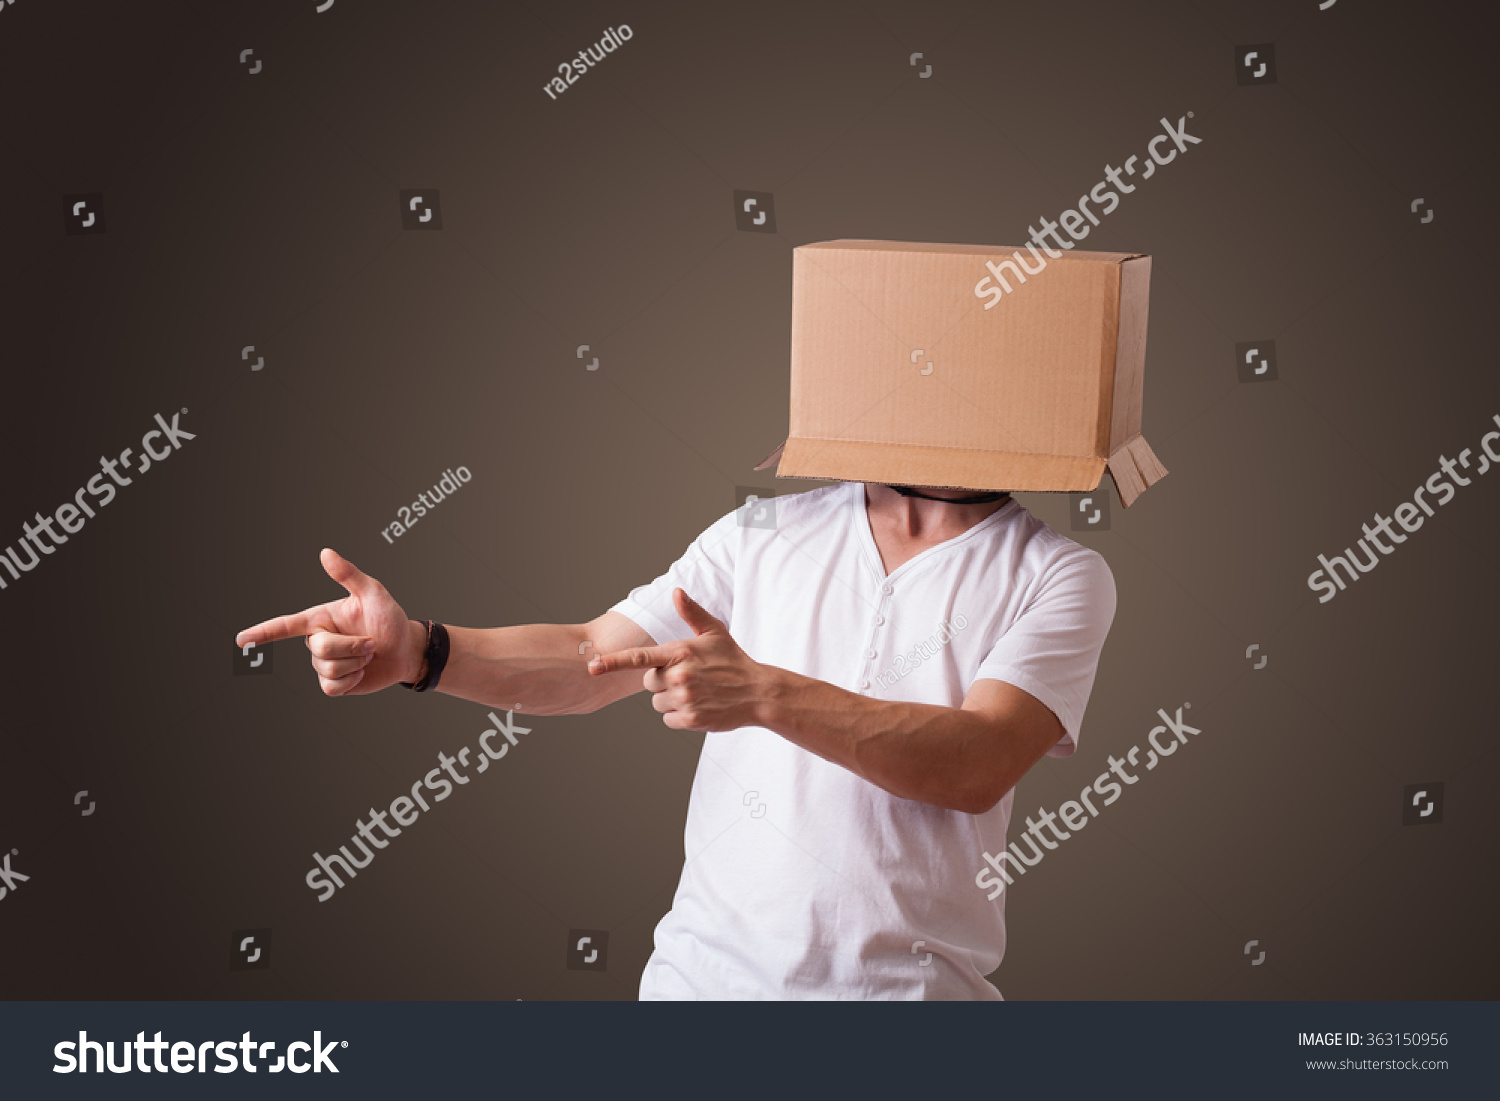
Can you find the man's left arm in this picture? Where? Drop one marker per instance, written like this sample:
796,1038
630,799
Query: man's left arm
959,758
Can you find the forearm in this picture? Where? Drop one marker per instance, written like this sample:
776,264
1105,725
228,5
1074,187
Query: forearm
536,669
945,756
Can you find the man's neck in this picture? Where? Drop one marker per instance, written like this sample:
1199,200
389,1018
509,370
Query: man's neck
919,519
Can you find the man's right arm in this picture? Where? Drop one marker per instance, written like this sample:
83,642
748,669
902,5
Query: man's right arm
542,668
366,642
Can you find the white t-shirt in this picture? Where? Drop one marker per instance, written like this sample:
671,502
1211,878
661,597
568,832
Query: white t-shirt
801,879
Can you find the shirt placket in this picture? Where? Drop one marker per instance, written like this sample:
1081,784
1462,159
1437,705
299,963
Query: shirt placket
870,655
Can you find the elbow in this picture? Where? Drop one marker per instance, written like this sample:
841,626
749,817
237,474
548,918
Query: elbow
589,706
982,795
975,804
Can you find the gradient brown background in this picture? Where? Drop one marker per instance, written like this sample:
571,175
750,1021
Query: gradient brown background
263,210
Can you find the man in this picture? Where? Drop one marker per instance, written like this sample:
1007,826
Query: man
876,672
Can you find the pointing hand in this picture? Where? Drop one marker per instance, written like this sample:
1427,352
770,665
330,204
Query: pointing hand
360,644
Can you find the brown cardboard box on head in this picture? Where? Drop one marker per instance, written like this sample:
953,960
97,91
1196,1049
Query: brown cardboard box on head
968,366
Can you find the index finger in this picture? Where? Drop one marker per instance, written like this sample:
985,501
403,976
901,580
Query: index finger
282,626
639,657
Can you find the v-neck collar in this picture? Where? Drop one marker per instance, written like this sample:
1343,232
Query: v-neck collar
872,548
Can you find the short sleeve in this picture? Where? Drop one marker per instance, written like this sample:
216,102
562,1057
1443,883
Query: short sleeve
1052,650
705,572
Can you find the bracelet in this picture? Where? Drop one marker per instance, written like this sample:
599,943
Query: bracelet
435,656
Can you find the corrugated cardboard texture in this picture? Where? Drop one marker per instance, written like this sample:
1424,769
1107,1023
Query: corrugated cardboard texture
900,374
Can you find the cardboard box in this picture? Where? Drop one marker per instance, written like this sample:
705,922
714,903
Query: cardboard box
913,364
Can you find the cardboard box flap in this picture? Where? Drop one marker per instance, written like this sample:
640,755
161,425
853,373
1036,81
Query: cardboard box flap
773,457
1134,466
945,467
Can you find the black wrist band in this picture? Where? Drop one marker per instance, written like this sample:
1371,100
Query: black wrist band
436,657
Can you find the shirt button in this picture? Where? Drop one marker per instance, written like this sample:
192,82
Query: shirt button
864,684
878,620
869,653
886,589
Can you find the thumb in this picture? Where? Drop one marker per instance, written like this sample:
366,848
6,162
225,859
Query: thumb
345,572
693,614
